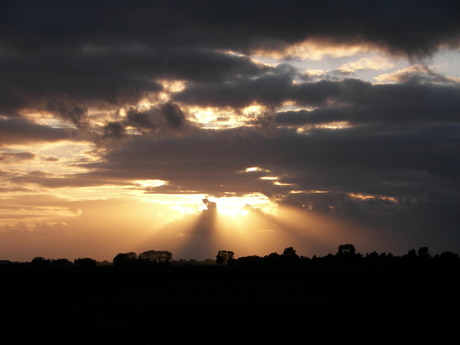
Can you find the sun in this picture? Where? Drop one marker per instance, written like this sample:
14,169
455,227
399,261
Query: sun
239,206
233,207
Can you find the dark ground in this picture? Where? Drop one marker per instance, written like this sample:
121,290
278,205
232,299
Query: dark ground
228,305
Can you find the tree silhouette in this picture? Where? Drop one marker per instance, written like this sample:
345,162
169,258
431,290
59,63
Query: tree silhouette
40,261
448,257
289,251
87,262
346,250
411,256
62,262
289,256
223,257
423,254
156,256
124,258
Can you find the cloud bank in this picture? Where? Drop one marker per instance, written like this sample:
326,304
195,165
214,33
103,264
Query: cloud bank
104,94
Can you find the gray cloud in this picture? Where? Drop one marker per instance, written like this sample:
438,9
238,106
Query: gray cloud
271,89
142,120
156,119
426,24
17,131
90,55
173,115
409,102
69,81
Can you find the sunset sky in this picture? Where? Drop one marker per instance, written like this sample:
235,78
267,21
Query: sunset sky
195,126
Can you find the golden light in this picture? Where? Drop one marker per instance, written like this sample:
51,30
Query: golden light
239,206
372,63
170,86
232,207
253,109
334,125
315,50
216,117
361,196
225,117
256,169
150,183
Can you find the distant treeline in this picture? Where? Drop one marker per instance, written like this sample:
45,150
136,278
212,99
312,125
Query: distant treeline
346,254
40,261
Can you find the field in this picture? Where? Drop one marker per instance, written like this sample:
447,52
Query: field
228,305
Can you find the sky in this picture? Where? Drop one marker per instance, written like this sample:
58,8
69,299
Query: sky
251,126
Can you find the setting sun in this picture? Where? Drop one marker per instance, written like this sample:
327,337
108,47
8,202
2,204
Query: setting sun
239,205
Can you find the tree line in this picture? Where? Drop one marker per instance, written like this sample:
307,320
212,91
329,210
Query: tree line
41,261
346,253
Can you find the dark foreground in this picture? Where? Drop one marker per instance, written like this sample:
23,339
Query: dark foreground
228,305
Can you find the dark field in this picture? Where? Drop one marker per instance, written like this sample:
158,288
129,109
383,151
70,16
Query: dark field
218,304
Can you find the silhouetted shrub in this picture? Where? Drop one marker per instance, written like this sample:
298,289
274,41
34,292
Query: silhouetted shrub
250,260
87,262
224,257
122,259
155,257
40,261
62,262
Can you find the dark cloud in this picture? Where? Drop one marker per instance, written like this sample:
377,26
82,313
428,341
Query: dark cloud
67,82
68,109
113,131
271,88
142,120
19,131
238,25
65,58
174,116
359,102
156,119
355,160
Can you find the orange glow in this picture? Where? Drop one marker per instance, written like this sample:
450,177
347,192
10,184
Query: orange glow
178,223
238,205
335,125
369,197
315,50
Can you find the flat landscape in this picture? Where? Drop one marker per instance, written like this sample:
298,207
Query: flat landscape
228,304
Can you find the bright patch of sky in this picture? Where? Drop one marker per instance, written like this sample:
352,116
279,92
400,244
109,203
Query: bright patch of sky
364,65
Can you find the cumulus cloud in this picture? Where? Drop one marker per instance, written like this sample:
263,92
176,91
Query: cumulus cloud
370,150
